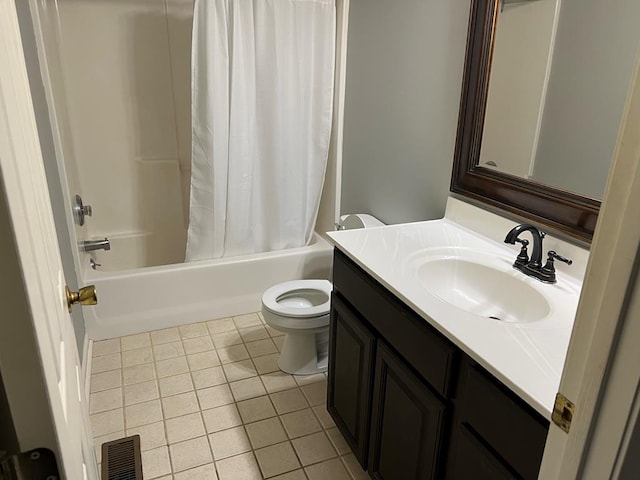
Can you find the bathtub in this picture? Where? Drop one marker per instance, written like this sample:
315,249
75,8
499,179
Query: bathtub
144,299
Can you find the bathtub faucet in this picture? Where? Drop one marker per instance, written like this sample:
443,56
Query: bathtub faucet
91,245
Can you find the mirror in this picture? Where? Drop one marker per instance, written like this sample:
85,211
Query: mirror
543,94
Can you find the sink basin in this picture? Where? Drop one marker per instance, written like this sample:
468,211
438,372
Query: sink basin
483,290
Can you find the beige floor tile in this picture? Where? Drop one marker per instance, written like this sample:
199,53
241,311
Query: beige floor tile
338,441
354,468
133,342
295,475
251,334
328,470
204,472
209,377
307,379
240,467
226,339
316,393
171,366
239,370
155,463
323,416
214,396
199,361
138,374
228,443
138,356
221,325
105,400
168,350
107,422
267,363
300,423
193,330
98,441
151,435
279,341
189,454
175,384
141,392
278,381
277,459
184,428
313,448
233,354
256,409
167,335
248,320
142,413
105,363
105,380
105,347
197,345
221,418
289,401
247,388
260,348
265,433
181,404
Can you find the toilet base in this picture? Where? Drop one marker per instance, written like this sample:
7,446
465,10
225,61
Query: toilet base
304,354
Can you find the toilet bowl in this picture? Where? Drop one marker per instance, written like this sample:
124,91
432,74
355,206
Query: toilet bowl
300,309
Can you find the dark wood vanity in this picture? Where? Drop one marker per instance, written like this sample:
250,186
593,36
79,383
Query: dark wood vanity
412,405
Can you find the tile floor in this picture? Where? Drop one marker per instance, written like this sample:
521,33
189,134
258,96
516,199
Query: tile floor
209,403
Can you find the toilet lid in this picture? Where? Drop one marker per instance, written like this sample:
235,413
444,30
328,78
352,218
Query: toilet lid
299,298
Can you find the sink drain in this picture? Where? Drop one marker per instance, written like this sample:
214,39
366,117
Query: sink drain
493,317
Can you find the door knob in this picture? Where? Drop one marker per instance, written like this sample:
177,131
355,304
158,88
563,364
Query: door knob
84,296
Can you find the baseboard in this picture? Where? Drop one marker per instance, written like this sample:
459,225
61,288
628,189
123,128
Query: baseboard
87,356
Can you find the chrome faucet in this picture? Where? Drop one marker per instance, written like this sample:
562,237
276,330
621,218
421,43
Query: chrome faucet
533,266
91,245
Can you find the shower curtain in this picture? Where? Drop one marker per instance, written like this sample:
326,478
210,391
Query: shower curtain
262,97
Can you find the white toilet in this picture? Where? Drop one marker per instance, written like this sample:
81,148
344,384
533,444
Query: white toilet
300,309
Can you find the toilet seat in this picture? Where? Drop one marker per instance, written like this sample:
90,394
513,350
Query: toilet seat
274,295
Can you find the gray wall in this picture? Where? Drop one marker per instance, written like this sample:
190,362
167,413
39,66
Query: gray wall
595,53
50,162
405,62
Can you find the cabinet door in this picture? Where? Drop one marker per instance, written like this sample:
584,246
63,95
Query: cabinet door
407,423
471,459
351,350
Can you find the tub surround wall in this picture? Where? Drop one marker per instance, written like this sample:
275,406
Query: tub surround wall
404,73
121,97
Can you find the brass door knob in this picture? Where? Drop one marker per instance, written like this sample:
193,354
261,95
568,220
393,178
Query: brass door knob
85,296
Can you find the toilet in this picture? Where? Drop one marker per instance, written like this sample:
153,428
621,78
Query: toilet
300,309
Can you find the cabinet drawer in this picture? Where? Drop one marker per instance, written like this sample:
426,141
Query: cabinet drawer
426,350
512,428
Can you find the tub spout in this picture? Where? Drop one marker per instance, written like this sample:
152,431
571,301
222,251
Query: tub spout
91,245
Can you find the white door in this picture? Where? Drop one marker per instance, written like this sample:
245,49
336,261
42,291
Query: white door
27,197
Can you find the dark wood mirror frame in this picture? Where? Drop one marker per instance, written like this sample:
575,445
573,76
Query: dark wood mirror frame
570,213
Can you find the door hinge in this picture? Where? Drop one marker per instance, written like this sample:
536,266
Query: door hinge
563,412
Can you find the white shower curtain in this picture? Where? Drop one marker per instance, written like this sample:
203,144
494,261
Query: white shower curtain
262,96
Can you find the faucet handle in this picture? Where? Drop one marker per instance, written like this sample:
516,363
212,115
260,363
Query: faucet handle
554,256
523,256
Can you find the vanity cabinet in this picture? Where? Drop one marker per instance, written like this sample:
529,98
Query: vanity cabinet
410,404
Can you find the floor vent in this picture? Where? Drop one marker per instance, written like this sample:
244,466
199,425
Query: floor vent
121,459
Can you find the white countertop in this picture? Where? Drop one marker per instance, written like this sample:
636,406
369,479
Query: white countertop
527,357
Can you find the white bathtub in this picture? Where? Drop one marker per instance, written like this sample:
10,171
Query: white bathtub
150,298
